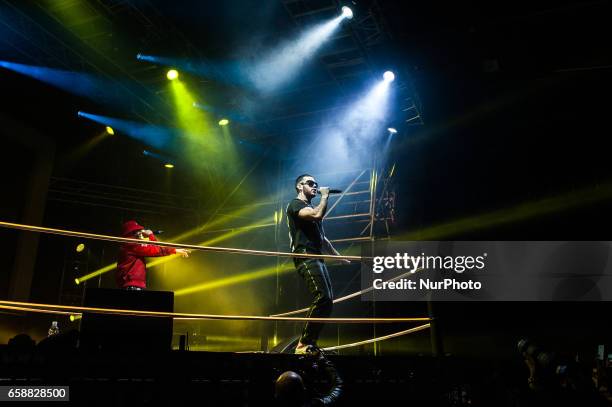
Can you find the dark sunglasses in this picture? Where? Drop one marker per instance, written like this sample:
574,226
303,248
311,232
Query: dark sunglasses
311,183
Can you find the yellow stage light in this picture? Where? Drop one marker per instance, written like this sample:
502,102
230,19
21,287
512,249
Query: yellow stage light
169,165
109,130
195,125
165,259
80,247
237,279
95,273
217,222
223,122
172,74
512,214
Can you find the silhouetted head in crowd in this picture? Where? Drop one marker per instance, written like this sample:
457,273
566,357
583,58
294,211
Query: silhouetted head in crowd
21,342
289,389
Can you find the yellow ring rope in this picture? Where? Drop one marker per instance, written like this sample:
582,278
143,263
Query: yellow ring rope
346,297
380,338
35,307
108,238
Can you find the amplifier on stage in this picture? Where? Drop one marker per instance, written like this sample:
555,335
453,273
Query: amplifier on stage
127,334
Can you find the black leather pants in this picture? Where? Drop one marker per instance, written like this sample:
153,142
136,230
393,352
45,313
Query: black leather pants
317,279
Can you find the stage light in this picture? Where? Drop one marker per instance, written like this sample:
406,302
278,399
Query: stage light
168,165
155,136
172,74
96,273
192,122
80,247
75,317
347,12
389,76
281,65
252,275
223,122
210,242
215,240
79,83
110,130
362,123
211,224
392,130
511,215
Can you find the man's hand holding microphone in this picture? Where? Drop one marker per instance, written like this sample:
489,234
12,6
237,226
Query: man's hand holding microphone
182,252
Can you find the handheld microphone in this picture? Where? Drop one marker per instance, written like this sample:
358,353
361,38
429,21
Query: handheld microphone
157,232
331,191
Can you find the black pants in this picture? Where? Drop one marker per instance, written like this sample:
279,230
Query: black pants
316,276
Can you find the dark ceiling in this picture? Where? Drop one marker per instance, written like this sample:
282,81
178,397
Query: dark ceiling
431,44
481,83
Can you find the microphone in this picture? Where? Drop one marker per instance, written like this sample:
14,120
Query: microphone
331,191
157,232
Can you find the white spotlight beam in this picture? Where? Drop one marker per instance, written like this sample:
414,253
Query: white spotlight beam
281,65
355,133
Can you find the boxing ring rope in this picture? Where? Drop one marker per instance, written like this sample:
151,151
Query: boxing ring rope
233,250
331,348
94,236
346,297
380,338
368,341
27,309
75,310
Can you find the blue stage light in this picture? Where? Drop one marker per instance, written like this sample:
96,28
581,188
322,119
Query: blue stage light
347,12
93,87
282,64
389,76
155,136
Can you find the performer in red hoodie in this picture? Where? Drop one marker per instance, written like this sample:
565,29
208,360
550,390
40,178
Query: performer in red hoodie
131,271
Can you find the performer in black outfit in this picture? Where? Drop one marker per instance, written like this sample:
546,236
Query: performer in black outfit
307,236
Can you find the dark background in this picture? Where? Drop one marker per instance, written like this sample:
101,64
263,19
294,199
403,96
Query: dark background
514,98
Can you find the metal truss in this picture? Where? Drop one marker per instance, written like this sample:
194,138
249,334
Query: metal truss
120,198
362,207
40,43
92,44
347,56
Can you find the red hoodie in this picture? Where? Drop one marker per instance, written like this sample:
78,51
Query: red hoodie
131,267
